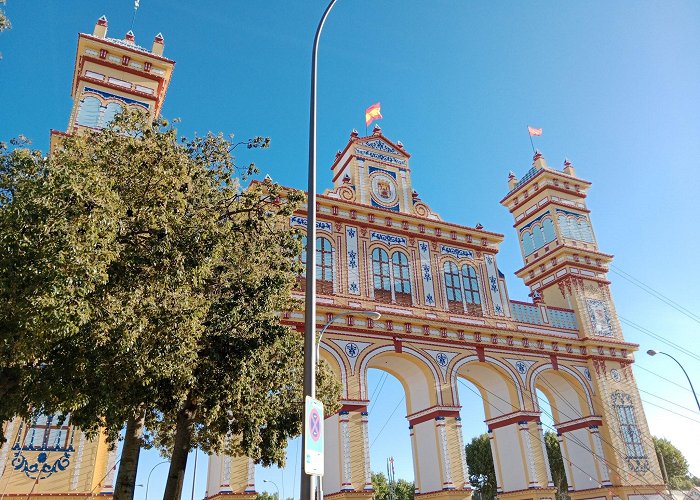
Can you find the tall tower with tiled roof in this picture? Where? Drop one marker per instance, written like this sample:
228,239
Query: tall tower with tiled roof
49,458
565,268
112,74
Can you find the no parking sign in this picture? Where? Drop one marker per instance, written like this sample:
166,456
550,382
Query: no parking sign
313,442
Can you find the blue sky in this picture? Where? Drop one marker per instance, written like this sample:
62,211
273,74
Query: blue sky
614,85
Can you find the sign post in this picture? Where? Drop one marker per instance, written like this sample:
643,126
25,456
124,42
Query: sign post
313,443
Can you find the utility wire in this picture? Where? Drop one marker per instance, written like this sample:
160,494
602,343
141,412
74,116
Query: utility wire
655,293
662,377
658,337
387,420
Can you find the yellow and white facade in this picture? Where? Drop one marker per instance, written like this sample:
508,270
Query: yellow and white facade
446,316
50,458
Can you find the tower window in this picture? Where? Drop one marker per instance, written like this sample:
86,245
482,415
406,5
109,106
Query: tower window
402,278
462,289
110,112
629,430
381,275
324,265
471,290
88,112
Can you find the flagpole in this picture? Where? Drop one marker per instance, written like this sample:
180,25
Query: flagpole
531,144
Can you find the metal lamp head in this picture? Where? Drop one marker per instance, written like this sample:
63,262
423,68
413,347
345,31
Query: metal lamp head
652,352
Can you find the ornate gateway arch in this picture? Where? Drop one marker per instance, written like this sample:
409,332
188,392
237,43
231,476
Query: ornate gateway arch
446,315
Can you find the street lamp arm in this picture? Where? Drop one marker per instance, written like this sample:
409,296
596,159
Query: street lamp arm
651,352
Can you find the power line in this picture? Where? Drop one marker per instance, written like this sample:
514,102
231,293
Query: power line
659,338
662,377
387,420
655,293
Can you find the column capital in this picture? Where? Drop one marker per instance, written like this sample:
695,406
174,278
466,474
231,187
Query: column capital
512,418
433,412
579,423
348,405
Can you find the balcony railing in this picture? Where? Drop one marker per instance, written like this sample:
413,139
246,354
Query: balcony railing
532,314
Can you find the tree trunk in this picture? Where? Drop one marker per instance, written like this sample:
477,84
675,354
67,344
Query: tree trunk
129,462
181,448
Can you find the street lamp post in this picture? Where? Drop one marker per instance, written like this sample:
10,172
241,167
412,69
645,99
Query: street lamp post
148,481
652,352
275,485
307,485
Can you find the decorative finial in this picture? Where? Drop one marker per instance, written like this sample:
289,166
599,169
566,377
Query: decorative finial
536,297
511,175
338,153
566,162
399,144
479,225
159,38
346,179
129,37
415,195
267,178
354,133
377,129
100,30
537,156
569,168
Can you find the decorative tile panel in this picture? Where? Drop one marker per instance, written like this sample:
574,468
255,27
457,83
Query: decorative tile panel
296,220
389,239
353,260
459,253
494,290
426,273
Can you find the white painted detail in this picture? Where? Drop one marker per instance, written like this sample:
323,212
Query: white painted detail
78,462
351,349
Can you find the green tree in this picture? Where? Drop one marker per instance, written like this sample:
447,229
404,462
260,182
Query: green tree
678,477
482,474
4,21
143,286
402,489
556,465
264,495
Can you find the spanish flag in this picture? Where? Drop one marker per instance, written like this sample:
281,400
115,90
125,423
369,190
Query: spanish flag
372,113
534,131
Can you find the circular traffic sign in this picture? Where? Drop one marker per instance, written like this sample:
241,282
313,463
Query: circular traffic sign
315,424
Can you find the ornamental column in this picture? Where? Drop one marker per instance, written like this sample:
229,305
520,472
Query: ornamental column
347,472
439,459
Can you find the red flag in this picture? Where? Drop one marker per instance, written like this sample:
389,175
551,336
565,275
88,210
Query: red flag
534,131
372,113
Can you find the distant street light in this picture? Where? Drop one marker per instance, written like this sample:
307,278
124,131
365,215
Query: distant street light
275,485
148,482
652,352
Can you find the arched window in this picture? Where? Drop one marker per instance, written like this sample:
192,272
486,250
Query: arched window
324,265
586,232
88,112
453,287
471,290
381,275
111,111
402,278
548,228
537,236
528,246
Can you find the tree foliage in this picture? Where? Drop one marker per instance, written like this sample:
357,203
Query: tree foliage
482,474
400,490
139,282
678,476
4,21
556,465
